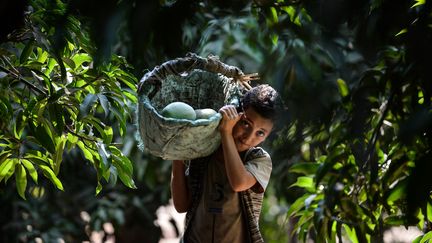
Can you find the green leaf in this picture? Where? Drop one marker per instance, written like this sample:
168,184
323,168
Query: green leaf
46,80
31,169
41,55
87,105
50,131
21,180
120,120
37,158
69,62
124,167
304,182
273,16
50,66
5,107
44,139
124,176
306,168
297,205
429,212
72,139
427,237
19,124
48,173
86,152
58,158
104,103
126,162
343,88
129,80
28,49
351,233
98,188
108,134
11,170
5,167
397,192
80,58
418,3
394,220
131,96
113,175
96,123
418,239
105,156
323,169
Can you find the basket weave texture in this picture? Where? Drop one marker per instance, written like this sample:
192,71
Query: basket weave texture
199,82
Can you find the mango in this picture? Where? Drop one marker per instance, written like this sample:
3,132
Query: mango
178,110
204,113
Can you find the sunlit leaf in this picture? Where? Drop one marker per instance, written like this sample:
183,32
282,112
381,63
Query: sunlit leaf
397,192
21,180
108,134
343,88
418,3
98,188
69,62
351,233
304,182
86,151
80,58
41,55
58,158
49,173
50,66
31,169
427,237
429,211
5,167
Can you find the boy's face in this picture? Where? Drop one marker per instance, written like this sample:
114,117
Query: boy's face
251,130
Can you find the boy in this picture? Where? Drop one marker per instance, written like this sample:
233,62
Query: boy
222,193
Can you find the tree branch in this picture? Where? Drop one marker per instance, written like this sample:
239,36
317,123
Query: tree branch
19,77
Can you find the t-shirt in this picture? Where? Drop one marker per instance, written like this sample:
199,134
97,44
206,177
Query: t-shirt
219,217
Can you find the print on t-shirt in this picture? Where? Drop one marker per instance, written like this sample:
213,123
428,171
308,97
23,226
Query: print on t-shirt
216,198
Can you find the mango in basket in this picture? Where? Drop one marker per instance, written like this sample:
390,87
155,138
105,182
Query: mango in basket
204,113
179,110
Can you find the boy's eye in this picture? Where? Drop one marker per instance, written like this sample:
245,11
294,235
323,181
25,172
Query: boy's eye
261,134
244,123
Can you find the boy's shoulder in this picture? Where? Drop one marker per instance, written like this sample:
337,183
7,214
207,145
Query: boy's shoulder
256,152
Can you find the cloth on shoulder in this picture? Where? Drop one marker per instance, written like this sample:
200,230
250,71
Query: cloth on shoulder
258,163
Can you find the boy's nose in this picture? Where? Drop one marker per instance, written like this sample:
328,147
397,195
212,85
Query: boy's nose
247,137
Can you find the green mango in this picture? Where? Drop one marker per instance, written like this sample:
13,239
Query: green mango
178,110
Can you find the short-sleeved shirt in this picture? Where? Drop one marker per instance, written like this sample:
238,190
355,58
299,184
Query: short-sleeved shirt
219,216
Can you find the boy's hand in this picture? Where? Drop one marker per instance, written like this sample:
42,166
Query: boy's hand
230,117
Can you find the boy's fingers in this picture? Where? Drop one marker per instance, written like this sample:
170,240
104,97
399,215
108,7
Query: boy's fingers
229,112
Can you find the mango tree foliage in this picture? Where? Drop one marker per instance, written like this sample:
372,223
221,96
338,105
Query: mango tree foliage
356,153
55,99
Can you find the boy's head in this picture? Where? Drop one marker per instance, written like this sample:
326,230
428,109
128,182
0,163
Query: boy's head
260,112
264,100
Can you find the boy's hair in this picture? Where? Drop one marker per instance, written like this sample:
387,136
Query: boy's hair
265,100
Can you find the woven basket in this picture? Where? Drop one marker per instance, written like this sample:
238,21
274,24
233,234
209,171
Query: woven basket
199,82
